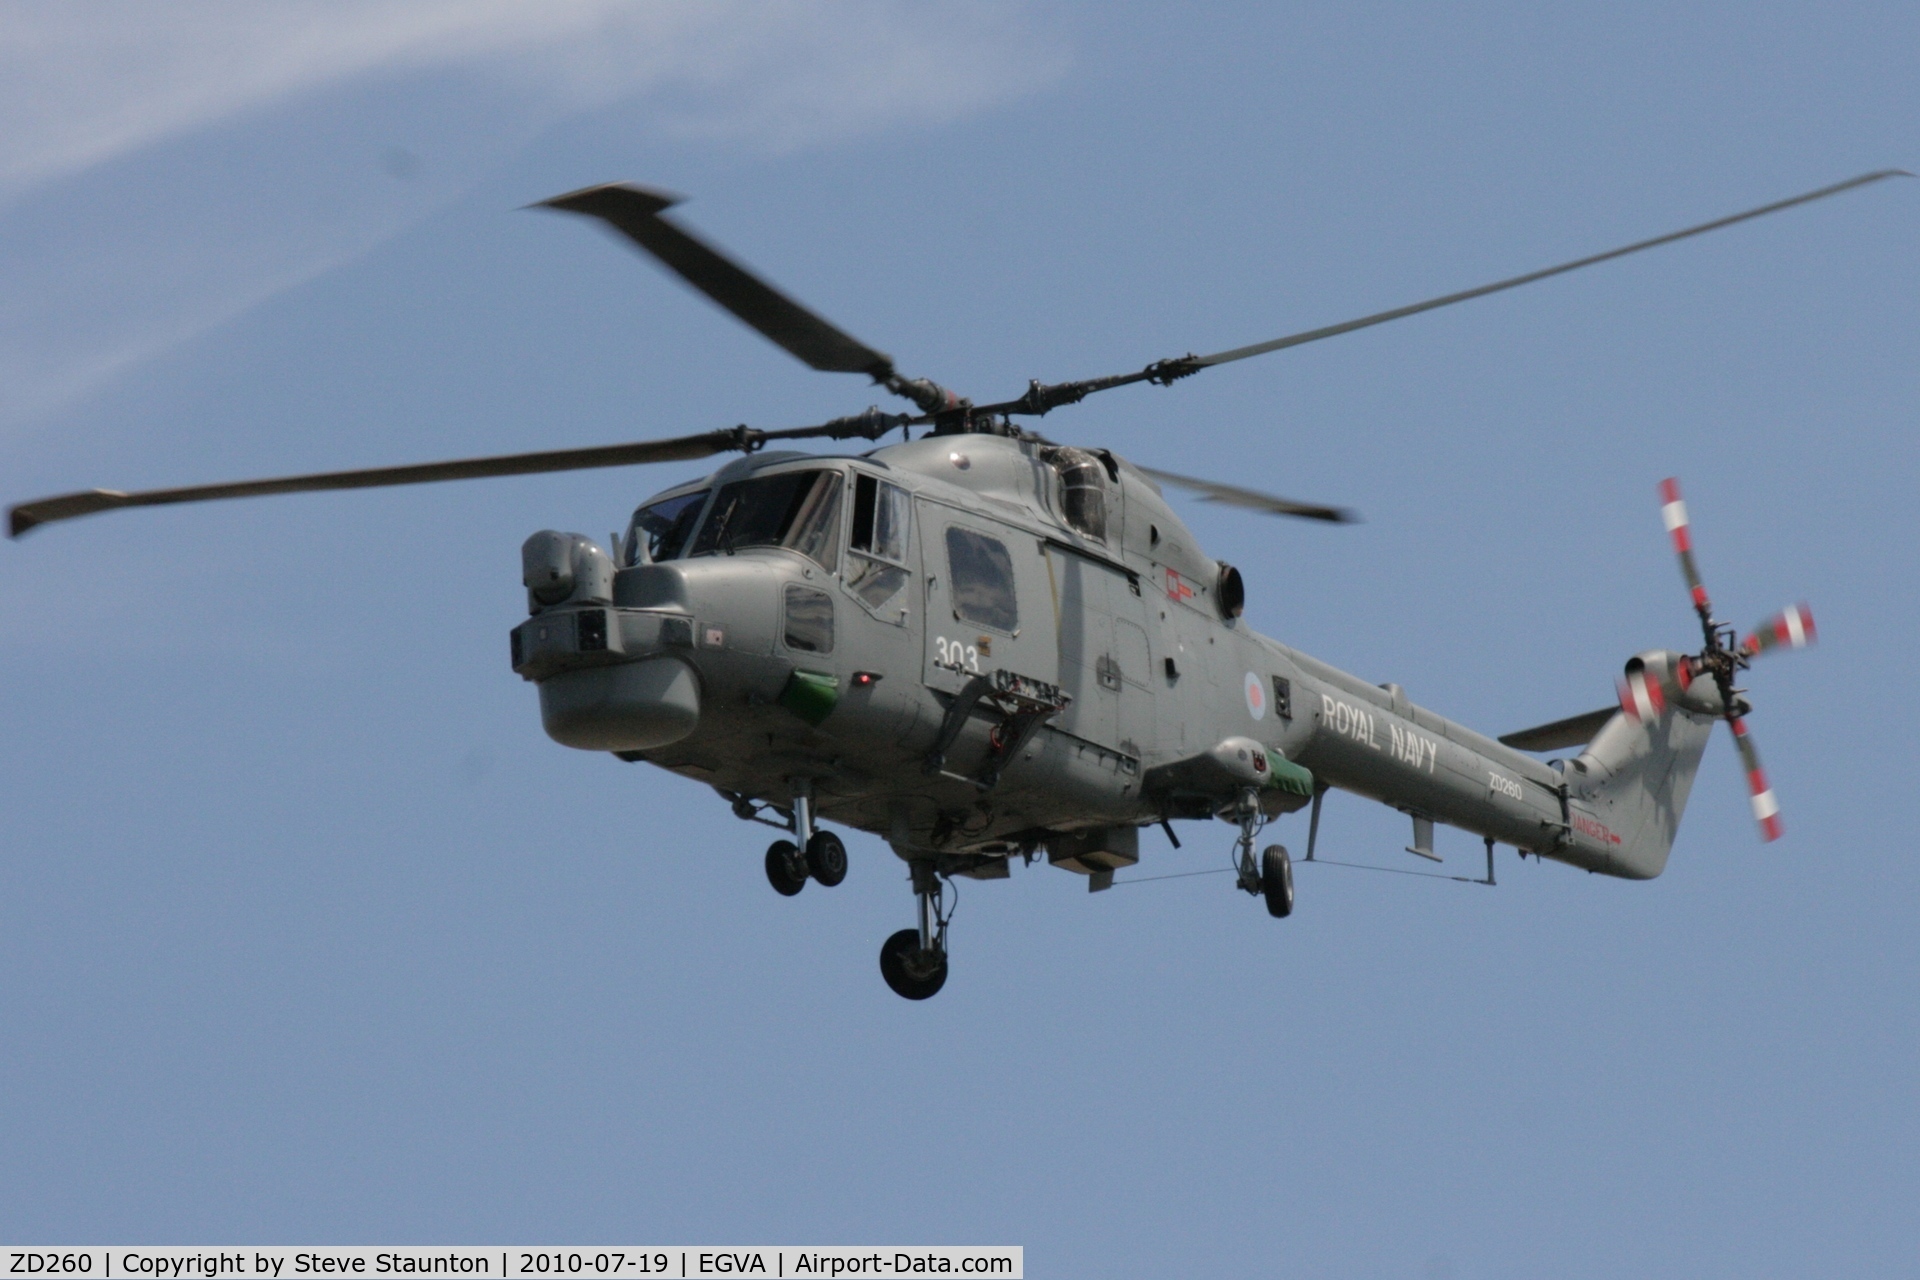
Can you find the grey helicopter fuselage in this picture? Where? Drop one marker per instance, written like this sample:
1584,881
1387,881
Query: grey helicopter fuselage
980,644
977,645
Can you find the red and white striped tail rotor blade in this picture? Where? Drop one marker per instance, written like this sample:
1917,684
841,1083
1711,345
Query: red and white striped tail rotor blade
1766,809
1791,628
1674,512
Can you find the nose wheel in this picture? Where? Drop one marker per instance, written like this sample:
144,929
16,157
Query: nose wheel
826,858
819,855
786,868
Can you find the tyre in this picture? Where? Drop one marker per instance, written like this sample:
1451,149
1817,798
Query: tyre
1276,881
827,858
911,972
786,870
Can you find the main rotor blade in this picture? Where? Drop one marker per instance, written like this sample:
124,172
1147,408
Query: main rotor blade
635,213
1447,300
1043,397
870,425
1253,499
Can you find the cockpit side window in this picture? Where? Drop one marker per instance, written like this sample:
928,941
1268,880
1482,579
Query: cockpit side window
799,510
660,529
878,540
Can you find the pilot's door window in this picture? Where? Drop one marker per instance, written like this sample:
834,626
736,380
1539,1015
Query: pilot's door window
981,577
877,545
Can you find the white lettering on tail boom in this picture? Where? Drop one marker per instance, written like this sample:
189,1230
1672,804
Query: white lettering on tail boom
1408,747
1414,749
1348,720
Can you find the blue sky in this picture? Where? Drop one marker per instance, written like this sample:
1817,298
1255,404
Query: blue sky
307,933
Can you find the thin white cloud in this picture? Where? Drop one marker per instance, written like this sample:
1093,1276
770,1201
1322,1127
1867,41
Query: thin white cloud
82,85
164,168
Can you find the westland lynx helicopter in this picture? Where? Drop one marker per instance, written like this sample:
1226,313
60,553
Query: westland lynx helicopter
981,645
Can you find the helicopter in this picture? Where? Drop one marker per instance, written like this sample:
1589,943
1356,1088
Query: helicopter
980,644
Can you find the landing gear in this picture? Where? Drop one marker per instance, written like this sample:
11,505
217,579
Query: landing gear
786,868
1270,878
914,961
1248,815
1276,881
818,854
827,858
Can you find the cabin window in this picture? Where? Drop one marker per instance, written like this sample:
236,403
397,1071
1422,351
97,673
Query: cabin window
878,541
980,573
659,529
798,510
809,625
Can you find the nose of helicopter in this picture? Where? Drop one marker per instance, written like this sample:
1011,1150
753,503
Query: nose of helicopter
625,659
610,678
633,706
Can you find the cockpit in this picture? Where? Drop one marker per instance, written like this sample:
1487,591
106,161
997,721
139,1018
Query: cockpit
797,510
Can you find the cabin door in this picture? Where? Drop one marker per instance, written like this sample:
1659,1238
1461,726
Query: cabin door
988,607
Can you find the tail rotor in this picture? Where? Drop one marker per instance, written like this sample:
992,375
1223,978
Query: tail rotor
1645,692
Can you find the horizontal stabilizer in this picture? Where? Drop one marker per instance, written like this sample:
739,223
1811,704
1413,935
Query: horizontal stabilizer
1575,731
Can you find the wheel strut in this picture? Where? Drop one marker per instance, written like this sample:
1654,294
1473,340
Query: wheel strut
802,811
1250,819
929,890
822,854
1271,877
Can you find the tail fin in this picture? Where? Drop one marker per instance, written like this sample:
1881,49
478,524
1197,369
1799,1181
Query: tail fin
1628,789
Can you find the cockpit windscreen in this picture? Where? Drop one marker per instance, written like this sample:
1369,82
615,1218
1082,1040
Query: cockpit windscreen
799,510
662,527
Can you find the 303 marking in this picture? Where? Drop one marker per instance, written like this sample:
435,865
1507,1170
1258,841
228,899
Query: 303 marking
956,655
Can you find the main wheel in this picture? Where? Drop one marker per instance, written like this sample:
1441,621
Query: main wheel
911,972
1276,880
786,869
827,858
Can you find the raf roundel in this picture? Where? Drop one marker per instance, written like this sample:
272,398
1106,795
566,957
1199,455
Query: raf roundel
1256,697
